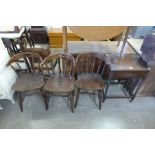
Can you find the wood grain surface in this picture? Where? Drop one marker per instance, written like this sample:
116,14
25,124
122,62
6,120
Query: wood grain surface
97,33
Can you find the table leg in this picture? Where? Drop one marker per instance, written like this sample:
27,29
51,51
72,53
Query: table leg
137,88
107,86
125,39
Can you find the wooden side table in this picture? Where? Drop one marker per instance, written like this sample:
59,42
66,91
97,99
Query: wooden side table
129,70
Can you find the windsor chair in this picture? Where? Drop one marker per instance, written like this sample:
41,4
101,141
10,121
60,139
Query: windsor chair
90,69
60,78
29,75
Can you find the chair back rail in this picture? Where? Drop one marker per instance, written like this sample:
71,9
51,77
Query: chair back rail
15,46
91,63
65,64
26,62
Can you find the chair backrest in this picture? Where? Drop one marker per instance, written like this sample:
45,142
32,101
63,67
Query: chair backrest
61,63
91,63
15,46
25,62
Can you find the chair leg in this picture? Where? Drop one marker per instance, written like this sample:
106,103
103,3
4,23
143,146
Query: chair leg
45,97
20,100
71,97
100,98
77,96
32,42
104,97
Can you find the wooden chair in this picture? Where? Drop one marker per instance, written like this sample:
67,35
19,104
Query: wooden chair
90,69
28,37
29,74
43,52
14,46
60,78
19,45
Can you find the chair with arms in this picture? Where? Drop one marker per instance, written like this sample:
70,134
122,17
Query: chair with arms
29,74
90,69
60,79
14,46
20,45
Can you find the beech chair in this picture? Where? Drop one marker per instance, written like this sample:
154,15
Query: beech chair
59,79
29,75
90,70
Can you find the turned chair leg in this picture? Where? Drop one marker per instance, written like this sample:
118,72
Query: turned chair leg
104,97
20,100
45,97
100,98
71,97
77,96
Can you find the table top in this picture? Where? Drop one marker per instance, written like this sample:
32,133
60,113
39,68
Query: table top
13,34
126,62
98,32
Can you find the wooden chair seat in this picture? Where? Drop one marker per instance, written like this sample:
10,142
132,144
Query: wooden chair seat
60,76
29,75
91,81
59,85
28,82
90,70
43,52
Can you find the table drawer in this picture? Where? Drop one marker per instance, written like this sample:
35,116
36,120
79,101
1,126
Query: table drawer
128,74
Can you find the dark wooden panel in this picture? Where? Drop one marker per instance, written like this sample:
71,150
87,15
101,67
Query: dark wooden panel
39,35
128,74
